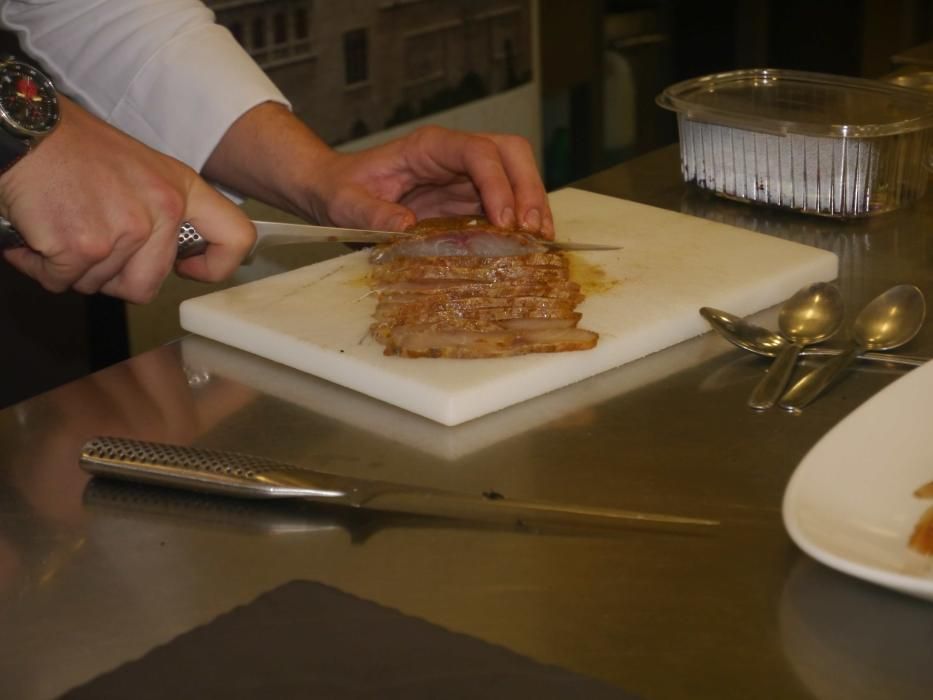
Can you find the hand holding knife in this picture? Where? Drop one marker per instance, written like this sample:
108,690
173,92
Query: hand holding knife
273,233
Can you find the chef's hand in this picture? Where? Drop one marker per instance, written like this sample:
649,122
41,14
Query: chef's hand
271,155
101,211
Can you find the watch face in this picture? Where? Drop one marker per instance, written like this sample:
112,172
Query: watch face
27,99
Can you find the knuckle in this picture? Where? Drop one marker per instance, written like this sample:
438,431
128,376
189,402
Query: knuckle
214,274
170,202
429,131
485,146
135,226
520,144
54,278
85,287
136,291
342,208
244,238
90,246
144,296
341,199
139,284
516,140
514,144
129,296
54,285
424,136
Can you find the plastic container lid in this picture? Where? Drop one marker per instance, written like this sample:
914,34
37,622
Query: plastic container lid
815,104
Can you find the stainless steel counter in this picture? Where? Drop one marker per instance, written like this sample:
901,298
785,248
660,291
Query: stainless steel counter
92,576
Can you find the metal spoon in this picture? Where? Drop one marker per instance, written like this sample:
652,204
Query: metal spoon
888,321
811,316
767,343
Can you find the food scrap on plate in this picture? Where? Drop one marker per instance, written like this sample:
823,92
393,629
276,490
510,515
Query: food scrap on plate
921,539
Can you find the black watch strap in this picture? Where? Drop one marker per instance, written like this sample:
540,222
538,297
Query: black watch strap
11,150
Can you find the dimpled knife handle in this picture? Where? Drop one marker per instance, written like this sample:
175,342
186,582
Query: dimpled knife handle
190,242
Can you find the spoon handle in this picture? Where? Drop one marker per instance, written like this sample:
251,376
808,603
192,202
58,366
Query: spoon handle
812,385
889,357
768,390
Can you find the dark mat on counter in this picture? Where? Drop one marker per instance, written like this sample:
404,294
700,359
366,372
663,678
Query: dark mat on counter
307,640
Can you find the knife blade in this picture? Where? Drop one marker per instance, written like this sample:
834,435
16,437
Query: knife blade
270,233
275,233
236,474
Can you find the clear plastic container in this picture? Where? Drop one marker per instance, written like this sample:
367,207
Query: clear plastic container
815,143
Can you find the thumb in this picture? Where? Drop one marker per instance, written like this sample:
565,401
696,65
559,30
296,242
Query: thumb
229,233
359,209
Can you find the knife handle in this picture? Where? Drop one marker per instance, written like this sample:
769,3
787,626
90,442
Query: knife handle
769,389
190,242
813,384
205,471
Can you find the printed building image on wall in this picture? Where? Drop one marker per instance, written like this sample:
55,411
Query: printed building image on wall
355,67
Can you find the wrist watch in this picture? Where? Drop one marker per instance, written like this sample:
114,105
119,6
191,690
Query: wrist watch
28,109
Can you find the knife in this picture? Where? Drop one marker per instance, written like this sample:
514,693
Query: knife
235,474
274,233
271,233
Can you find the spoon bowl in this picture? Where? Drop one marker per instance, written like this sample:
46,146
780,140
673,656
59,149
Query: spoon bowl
766,343
810,316
887,321
891,319
743,334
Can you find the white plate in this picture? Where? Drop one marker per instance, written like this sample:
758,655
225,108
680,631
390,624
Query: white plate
850,502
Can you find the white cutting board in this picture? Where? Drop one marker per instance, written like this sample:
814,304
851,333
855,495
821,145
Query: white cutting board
356,411
316,318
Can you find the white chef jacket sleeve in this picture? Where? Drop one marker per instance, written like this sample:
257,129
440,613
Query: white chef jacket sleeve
161,70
